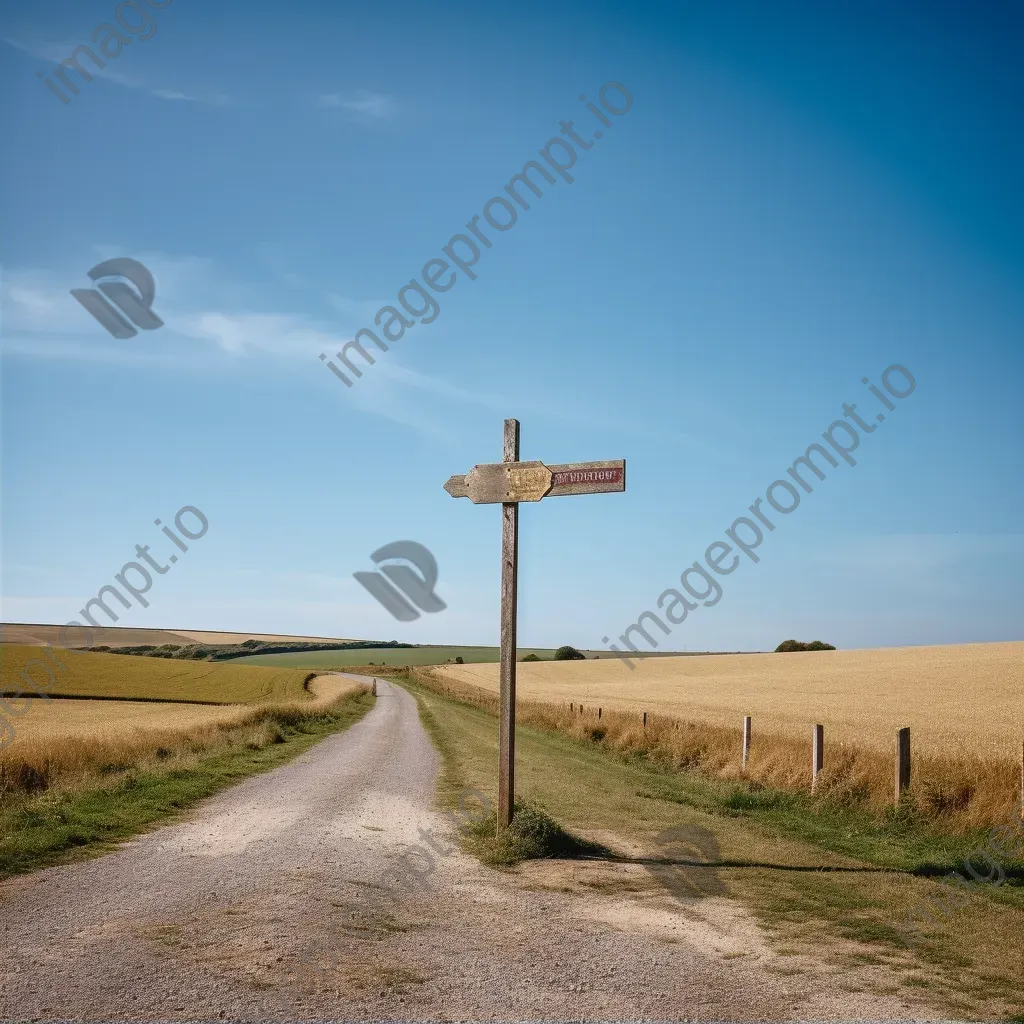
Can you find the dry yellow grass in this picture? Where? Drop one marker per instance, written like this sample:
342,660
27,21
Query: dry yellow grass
48,722
328,688
61,743
964,699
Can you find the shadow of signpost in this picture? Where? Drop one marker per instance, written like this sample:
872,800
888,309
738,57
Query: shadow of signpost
687,869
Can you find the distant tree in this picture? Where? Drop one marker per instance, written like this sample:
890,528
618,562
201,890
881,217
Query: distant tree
458,660
568,653
531,657
789,646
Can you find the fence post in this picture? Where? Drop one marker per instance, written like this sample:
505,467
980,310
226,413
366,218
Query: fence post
817,754
746,740
598,712
902,762
645,726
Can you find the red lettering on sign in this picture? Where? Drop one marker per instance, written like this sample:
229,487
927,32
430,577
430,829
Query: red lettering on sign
586,476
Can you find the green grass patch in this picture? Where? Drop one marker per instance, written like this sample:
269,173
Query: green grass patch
401,657
532,835
60,826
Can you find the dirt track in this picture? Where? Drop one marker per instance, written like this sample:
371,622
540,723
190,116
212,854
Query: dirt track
285,898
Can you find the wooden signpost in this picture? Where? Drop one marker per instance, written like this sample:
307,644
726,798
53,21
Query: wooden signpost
508,483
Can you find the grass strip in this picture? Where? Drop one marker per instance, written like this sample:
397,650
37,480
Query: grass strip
62,825
904,838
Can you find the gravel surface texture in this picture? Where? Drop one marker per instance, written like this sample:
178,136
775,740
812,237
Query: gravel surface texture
331,889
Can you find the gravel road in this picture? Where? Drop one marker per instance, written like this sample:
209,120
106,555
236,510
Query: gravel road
288,897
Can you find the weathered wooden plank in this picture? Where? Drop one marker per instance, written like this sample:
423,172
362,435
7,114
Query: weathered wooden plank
500,482
456,487
507,673
588,477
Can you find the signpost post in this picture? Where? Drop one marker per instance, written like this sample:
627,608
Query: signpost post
510,482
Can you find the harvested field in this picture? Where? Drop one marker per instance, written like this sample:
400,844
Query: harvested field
118,675
47,721
964,699
40,634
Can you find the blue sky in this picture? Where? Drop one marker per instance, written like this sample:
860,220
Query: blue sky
797,198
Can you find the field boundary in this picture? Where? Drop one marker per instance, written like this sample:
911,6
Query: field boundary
135,700
943,790
18,695
897,840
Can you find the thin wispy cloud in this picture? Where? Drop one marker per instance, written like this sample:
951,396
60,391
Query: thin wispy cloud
210,324
213,99
361,104
58,52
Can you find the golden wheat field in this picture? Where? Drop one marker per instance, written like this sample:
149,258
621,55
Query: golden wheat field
43,721
71,742
53,720
87,674
966,699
